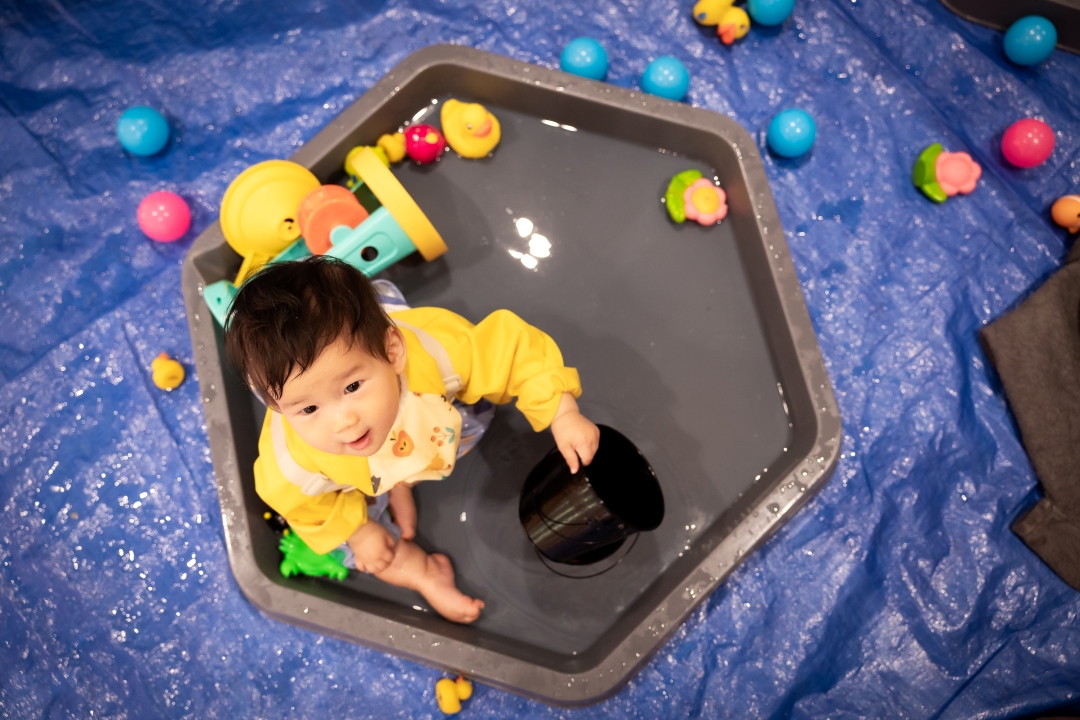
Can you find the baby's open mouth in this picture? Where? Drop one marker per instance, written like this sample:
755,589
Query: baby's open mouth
361,442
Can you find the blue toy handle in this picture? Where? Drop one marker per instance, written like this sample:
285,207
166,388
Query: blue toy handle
372,246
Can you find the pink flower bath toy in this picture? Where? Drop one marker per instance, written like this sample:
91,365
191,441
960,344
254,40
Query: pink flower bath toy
705,203
941,175
957,172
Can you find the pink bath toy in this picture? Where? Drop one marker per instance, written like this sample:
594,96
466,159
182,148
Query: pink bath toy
423,143
164,216
1028,143
957,172
705,203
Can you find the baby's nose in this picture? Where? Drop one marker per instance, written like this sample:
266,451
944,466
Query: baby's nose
345,420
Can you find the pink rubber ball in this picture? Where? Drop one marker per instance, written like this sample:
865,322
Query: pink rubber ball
423,143
164,216
1027,143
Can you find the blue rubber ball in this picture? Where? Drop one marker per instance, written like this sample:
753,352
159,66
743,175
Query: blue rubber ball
142,130
791,133
667,78
1030,40
769,12
585,57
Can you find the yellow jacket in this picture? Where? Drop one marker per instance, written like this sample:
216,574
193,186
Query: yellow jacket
498,359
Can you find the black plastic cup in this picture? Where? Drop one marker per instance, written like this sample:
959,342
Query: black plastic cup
581,518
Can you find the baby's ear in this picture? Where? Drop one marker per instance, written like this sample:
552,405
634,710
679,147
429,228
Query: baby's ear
395,349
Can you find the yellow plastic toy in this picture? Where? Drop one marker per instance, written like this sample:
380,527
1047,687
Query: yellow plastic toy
449,694
734,24
393,146
393,196
379,152
710,12
470,129
258,212
166,373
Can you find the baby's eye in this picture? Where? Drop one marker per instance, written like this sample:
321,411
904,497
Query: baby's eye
309,409
353,387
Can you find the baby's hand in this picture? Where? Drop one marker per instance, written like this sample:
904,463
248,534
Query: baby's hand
373,547
575,435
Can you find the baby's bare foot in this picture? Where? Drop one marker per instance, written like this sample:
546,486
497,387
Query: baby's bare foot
439,590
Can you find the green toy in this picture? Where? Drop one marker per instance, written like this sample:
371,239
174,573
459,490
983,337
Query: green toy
673,198
299,558
924,175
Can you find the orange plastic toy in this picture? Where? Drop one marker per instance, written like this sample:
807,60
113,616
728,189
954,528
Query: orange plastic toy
324,209
1066,212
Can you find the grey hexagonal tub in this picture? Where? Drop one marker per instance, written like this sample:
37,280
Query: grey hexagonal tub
694,342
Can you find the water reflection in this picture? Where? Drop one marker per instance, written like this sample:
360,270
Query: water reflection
552,123
539,245
526,259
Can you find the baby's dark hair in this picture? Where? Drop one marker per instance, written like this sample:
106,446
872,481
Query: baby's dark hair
287,313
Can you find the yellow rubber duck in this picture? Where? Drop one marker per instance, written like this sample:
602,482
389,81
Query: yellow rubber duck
166,373
709,12
470,129
734,24
393,146
449,694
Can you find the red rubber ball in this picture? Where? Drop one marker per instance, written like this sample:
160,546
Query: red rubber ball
424,144
1027,143
164,216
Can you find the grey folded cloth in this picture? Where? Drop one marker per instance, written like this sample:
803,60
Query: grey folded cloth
1036,351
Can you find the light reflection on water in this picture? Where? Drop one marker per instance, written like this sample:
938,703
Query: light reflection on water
539,245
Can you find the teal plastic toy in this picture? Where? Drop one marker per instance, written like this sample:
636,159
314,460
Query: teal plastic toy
585,57
1030,40
666,77
142,131
372,246
300,559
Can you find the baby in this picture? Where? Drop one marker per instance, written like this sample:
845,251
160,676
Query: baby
362,405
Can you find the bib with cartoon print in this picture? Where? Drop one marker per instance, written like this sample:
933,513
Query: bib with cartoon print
423,442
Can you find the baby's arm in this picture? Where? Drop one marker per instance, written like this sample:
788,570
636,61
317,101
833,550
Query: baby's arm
373,547
575,435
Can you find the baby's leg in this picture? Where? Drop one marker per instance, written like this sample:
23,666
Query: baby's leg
403,508
433,577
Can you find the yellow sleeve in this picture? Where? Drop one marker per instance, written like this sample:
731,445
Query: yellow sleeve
322,521
501,358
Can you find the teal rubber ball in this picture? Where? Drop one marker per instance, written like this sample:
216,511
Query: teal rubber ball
142,130
585,57
1030,40
769,12
666,77
791,133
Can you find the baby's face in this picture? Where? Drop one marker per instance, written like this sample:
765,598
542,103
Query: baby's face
347,401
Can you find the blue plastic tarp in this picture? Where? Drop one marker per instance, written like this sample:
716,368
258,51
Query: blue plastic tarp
899,591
